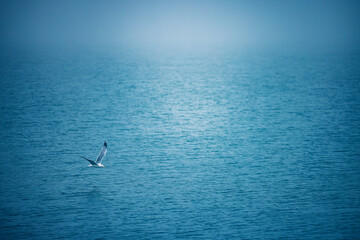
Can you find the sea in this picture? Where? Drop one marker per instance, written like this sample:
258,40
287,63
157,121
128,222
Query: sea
201,144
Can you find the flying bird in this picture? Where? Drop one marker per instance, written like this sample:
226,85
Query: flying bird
97,162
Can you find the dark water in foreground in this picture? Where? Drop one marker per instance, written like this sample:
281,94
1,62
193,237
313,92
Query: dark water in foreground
224,146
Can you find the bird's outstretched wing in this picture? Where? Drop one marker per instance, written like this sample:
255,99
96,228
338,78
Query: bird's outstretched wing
91,161
101,154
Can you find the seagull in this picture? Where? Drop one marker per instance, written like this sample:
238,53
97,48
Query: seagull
99,159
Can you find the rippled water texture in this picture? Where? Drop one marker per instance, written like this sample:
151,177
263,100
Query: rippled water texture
211,146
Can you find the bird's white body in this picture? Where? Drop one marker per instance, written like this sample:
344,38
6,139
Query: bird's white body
97,165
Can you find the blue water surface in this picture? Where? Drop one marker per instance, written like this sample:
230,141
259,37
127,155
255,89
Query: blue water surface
222,145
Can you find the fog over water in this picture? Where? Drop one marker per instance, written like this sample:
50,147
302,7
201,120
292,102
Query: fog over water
241,24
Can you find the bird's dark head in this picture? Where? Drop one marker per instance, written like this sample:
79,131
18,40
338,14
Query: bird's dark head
105,144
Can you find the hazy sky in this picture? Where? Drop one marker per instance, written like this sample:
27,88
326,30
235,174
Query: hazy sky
181,23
